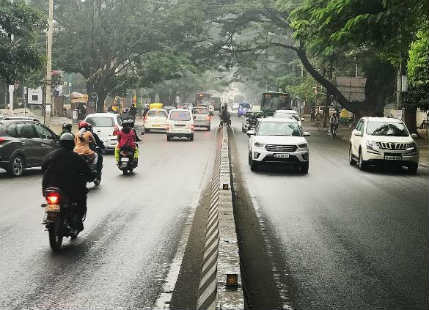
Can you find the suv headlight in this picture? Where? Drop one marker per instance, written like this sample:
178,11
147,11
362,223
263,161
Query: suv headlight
303,146
411,147
258,144
371,145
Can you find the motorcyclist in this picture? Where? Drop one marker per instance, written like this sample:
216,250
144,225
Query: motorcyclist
66,170
97,146
126,139
83,139
333,121
67,127
225,116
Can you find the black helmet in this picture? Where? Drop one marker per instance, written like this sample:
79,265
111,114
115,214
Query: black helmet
67,141
127,123
67,127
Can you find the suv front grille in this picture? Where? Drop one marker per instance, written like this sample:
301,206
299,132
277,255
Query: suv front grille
280,148
393,146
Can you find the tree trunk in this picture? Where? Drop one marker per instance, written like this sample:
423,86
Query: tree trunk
411,118
101,98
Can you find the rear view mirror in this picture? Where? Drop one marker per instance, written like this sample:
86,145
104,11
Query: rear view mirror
306,134
414,135
251,133
357,133
302,119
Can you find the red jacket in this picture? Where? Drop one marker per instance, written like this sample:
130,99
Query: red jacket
128,139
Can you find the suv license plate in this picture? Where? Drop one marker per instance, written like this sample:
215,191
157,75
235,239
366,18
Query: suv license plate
281,155
391,157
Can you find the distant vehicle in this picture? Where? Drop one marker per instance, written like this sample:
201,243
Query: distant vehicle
243,108
273,101
105,125
250,120
156,119
201,117
216,102
202,99
168,108
379,140
278,140
288,114
180,124
24,144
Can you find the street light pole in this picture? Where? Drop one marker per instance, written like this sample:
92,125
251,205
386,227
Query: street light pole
48,91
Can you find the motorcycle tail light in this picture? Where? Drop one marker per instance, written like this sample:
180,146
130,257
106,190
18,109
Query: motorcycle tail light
53,198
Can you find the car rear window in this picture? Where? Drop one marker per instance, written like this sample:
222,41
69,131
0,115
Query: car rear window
101,121
200,111
153,113
180,116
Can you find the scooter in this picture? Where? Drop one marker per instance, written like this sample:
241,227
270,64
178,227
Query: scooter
96,169
127,163
60,217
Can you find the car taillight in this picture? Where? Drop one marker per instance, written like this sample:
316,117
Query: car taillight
208,117
53,198
192,127
115,131
2,140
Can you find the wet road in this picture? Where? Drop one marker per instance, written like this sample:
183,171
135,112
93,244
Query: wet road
130,237
349,239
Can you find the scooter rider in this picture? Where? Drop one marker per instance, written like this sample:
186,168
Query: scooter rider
225,116
98,146
126,139
82,142
66,170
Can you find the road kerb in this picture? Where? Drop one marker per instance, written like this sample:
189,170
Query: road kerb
221,254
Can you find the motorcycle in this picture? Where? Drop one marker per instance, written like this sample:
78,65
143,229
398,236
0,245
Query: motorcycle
127,163
60,215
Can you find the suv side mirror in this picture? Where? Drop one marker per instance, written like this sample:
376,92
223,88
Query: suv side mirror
306,134
251,133
357,133
414,135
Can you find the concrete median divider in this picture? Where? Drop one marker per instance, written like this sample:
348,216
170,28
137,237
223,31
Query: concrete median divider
220,284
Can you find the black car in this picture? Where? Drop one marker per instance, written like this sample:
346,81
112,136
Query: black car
24,143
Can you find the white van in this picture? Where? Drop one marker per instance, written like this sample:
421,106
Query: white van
180,124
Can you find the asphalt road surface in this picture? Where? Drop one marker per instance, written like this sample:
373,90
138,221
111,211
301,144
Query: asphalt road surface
347,239
131,233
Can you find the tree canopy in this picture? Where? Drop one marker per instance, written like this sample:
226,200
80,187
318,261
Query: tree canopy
19,55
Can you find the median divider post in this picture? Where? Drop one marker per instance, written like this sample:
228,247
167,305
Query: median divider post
220,284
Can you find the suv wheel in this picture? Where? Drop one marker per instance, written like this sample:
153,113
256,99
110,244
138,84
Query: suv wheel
361,162
17,166
304,167
412,168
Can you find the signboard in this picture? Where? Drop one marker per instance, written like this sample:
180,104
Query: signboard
76,97
35,96
352,88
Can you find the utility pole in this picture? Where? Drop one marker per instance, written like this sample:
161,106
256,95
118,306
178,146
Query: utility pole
48,91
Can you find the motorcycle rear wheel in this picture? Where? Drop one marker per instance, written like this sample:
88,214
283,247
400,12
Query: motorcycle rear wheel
56,234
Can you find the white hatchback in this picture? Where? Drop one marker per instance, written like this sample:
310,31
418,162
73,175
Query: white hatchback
378,140
278,140
180,124
156,119
105,126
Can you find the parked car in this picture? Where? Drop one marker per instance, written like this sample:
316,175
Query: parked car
380,140
24,143
180,124
202,117
288,114
156,119
105,126
278,140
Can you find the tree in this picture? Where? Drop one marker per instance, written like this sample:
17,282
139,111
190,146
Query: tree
19,55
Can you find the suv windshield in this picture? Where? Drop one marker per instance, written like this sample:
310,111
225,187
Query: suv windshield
378,128
101,121
180,116
279,129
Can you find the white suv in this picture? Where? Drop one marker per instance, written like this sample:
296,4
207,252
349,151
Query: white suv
278,140
381,139
105,125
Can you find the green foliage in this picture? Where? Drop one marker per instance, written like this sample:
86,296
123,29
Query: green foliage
19,56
